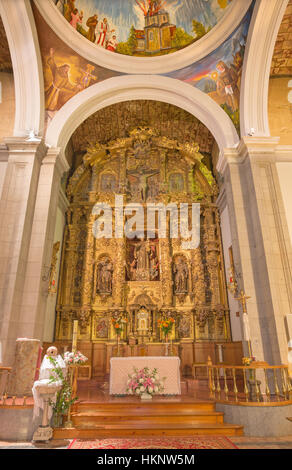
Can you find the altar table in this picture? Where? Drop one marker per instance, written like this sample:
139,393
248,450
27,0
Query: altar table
167,366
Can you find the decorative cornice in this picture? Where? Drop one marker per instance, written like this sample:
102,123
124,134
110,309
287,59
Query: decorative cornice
264,149
18,147
283,153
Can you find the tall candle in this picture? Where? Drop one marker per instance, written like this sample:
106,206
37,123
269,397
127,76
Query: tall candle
75,335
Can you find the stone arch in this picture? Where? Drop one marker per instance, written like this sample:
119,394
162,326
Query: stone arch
127,88
24,48
266,20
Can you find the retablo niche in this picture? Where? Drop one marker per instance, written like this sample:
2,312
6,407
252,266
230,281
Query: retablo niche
149,278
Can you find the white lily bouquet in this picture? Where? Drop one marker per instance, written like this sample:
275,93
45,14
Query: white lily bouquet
72,358
145,383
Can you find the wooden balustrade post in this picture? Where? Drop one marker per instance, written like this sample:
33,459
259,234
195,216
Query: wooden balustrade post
245,385
277,391
225,385
289,388
235,389
218,388
267,388
257,390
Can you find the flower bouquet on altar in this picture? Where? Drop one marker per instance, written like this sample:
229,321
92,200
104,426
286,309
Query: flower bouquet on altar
145,383
166,326
73,358
118,324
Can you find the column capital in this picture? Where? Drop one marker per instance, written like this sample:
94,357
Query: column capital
16,146
258,148
257,145
55,156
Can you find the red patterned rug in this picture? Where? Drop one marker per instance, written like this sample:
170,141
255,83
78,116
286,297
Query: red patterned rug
196,442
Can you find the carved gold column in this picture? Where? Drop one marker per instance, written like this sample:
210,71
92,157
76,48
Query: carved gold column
119,272
166,268
88,262
212,252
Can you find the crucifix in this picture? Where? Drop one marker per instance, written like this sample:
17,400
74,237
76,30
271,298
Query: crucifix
142,176
246,329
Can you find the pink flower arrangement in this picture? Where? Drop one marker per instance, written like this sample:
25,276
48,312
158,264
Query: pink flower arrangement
144,381
72,358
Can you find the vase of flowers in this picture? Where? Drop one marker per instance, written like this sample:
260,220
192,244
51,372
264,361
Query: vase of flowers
118,325
145,383
74,358
166,326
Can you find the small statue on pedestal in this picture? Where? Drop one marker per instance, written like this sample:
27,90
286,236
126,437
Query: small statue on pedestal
45,390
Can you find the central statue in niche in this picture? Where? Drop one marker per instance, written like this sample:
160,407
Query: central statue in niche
143,264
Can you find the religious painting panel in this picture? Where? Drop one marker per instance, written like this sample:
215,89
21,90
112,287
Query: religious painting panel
176,182
100,329
108,182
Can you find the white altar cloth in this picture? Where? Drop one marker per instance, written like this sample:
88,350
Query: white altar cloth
167,366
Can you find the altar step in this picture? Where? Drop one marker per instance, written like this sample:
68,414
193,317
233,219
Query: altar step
146,419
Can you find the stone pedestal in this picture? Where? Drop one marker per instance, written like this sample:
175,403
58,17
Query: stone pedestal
23,372
44,432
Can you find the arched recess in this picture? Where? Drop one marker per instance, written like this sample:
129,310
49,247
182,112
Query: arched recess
22,37
263,31
126,88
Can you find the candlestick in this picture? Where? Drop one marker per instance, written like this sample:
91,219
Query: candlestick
75,335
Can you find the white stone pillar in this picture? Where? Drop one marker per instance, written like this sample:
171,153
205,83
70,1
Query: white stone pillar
16,216
35,294
261,243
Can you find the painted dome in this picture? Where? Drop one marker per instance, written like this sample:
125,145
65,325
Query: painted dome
143,28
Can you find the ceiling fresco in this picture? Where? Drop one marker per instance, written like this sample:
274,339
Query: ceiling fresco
219,73
282,57
65,72
5,58
144,28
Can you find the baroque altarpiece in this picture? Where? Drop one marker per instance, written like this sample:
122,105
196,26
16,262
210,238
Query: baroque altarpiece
143,279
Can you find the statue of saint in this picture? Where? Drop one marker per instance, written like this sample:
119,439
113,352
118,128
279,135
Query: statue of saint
144,265
180,275
104,277
154,264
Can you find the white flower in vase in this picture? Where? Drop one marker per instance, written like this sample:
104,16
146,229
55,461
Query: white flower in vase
150,390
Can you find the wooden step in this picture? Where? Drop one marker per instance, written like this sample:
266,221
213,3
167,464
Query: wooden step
140,407
167,417
95,419
121,430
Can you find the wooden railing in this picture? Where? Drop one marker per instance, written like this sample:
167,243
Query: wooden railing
258,382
